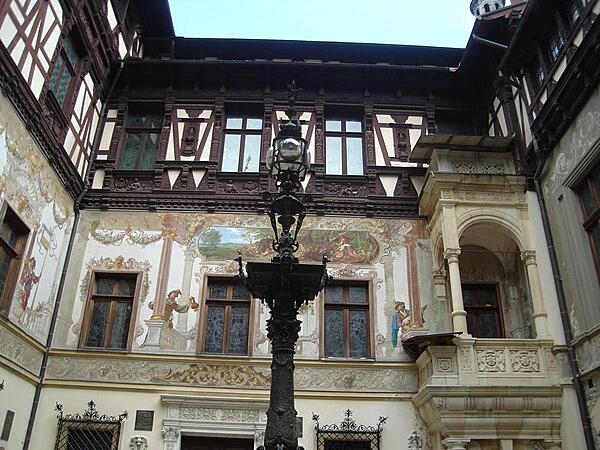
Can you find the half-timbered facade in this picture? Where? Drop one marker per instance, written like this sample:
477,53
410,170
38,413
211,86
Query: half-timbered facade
132,175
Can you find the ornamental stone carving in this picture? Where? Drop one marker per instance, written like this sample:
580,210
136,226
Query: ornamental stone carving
171,437
463,167
444,364
226,415
414,441
19,352
491,361
164,372
465,358
528,256
138,443
524,361
451,255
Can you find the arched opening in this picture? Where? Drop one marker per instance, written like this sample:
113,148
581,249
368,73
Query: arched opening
494,284
496,6
486,8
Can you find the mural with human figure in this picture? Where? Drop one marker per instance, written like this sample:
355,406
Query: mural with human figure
33,192
183,251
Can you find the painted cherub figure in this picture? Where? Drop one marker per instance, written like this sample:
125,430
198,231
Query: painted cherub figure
172,304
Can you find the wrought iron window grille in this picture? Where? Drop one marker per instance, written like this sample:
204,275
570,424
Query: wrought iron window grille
88,430
348,435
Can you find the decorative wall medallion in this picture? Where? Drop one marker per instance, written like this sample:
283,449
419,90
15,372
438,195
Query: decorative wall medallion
491,361
138,443
524,361
444,364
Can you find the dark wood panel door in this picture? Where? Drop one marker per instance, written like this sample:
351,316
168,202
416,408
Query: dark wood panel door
213,443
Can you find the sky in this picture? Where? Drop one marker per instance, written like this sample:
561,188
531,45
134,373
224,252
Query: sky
440,23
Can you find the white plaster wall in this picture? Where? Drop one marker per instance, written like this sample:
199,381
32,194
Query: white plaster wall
110,402
538,239
17,397
400,413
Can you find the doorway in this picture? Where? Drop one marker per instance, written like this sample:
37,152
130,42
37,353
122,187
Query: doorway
213,443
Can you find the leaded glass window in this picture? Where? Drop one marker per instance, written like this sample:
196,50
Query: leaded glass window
227,320
142,140
64,71
241,144
344,147
483,310
110,310
347,320
13,235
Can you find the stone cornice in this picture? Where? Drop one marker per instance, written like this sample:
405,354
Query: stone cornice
322,377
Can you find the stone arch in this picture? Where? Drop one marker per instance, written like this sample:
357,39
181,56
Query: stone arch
504,221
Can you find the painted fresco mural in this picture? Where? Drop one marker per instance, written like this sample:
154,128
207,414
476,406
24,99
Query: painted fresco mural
178,252
33,191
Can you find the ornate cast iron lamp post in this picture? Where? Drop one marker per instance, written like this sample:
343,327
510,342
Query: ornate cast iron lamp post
284,284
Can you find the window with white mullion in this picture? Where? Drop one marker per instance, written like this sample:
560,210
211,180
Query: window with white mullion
242,143
344,147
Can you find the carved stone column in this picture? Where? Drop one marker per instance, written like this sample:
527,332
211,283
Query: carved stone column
540,317
456,443
440,314
172,438
459,315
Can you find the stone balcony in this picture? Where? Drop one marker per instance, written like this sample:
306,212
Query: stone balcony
491,389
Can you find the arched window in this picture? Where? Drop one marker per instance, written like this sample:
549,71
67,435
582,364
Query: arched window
496,6
486,8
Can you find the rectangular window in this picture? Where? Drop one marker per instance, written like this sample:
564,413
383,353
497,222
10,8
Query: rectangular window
589,195
227,317
64,72
108,314
142,139
483,310
241,144
344,147
13,236
347,320
555,45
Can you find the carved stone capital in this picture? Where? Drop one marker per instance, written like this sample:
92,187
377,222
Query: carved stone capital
439,276
451,255
528,256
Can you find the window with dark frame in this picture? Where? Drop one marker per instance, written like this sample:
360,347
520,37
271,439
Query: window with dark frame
142,139
227,317
347,320
64,73
573,12
344,147
241,144
555,45
589,196
483,310
13,237
109,311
